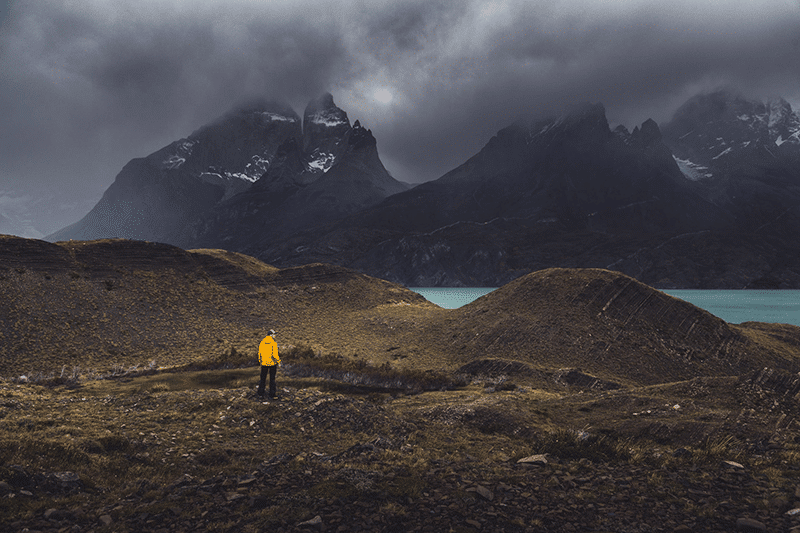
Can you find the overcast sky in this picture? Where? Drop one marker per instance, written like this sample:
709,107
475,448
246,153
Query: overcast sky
87,85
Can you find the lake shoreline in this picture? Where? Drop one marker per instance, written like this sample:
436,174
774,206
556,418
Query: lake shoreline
735,306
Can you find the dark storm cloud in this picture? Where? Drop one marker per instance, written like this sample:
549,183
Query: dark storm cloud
89,85
641,61
4,8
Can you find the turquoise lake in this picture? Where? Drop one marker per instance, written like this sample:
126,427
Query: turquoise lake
734,306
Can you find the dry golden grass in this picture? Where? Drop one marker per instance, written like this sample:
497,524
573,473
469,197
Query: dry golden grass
117,303
132,438
173,335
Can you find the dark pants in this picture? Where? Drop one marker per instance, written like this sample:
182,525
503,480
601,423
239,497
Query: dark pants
272,387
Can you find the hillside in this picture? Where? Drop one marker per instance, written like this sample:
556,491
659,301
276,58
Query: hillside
567,400
114,302
98,304
613,327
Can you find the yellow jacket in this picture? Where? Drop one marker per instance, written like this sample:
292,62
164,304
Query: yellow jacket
268,352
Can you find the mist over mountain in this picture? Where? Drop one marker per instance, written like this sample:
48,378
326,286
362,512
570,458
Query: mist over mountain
200,190
742,154
568,191
17,216
708,200
333,171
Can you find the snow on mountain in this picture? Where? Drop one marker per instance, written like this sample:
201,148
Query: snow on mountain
321,161
723,130
325,130
183,150
327,119
692,171
725,151
276,116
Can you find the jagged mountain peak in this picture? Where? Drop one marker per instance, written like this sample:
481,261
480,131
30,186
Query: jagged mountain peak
644,136
585,119
725,105
326,129
263,105
237,147
583,112
322,111
258,113
650,129
361,137
719,128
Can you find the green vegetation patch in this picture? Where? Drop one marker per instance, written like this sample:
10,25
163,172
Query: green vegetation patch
303,361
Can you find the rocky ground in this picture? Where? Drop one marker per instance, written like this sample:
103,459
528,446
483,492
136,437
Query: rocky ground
567,400
149,455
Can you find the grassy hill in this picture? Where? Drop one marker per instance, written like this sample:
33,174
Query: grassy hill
611,326
643,411
116,303
105,303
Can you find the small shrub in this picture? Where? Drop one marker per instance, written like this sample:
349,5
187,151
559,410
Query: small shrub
159,387
303,362
570,444
717,448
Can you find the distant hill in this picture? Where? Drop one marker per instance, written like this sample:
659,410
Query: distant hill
613,327
116,302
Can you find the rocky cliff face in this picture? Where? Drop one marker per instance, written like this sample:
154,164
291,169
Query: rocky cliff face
709,200
154,195
334,172
324,128
244,178
566,191
742,154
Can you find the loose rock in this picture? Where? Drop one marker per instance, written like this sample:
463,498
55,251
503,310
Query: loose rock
749,525
316,521
484,492
539,459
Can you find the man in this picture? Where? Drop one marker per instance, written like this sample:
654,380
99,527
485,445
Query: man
269,360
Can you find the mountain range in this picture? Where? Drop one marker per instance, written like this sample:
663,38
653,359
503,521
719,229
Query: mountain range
710,199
